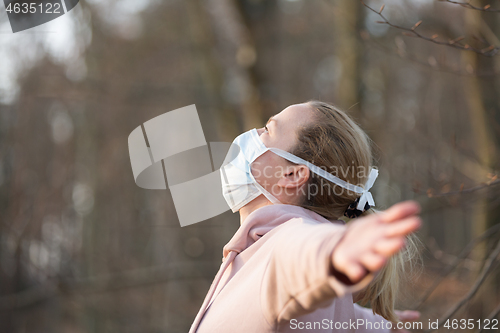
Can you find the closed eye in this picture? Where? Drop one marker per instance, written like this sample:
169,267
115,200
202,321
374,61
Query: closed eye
270,119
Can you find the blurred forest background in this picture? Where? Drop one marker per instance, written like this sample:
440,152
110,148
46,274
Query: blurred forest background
83,249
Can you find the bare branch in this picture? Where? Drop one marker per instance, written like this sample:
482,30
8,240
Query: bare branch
437,66
469,190
492,316
486,8
462,255
411,32
450,259
487,269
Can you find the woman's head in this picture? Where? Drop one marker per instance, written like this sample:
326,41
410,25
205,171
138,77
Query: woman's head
282,178
324,136
333,141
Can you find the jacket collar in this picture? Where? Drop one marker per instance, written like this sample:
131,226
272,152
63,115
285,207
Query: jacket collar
264,219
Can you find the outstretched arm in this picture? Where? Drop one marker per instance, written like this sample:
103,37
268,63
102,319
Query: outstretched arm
370,241
312,263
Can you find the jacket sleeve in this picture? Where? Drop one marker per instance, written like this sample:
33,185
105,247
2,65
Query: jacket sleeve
298,278
371,322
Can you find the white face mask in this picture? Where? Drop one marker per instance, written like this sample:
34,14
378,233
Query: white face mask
239,186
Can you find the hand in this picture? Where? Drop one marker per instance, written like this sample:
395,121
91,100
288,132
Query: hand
405,316
371,240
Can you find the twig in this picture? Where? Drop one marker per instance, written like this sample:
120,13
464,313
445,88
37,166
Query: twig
465,252
411,32
438,67
469,190
450,259
487,269
486,8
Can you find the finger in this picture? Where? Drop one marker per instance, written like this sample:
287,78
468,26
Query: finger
373,261
400,211
403,227
388,246
409,315
355,272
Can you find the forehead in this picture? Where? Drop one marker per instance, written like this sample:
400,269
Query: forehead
285,128
295,115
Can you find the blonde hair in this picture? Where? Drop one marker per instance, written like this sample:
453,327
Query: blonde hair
334,142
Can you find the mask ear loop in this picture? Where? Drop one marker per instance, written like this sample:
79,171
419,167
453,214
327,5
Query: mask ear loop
365,197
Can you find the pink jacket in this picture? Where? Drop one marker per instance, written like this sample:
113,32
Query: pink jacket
275,277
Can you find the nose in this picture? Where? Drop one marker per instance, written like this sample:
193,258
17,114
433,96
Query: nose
260,130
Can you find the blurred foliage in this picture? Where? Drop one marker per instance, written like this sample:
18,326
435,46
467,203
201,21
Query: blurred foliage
83,249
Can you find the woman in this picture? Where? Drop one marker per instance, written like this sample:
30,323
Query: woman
293,265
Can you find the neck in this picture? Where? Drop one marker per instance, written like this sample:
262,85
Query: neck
253,205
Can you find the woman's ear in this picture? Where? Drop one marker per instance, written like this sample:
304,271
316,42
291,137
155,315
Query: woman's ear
294,176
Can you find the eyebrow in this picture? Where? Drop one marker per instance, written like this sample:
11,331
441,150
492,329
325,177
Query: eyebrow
269,120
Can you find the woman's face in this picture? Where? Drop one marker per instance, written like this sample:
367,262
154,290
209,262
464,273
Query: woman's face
280,132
